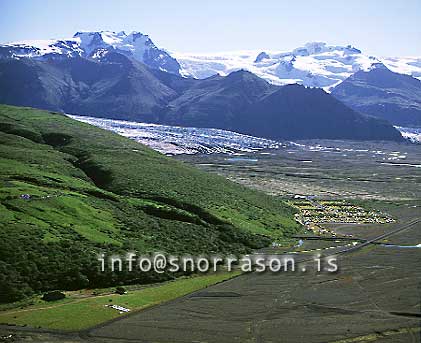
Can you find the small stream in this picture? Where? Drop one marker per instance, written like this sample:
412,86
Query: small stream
396,246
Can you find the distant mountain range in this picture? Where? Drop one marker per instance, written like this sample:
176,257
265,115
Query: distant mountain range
120,76
315,64
392,94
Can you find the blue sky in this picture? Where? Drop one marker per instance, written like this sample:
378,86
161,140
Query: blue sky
378,27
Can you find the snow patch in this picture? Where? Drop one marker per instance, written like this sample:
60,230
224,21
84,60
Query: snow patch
413,134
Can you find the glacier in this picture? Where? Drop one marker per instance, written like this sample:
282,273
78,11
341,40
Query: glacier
315,64
176,140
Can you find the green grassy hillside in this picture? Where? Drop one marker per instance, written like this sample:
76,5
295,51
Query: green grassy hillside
92,190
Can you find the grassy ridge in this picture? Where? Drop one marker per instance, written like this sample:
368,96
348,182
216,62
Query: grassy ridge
91,189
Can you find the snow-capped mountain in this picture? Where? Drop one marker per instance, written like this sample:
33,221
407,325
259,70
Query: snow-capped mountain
382,93
94,45
315,64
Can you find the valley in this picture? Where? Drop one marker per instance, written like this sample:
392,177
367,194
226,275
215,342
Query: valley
364,201
358,200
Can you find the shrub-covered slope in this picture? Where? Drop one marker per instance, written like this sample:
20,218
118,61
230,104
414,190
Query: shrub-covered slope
69,190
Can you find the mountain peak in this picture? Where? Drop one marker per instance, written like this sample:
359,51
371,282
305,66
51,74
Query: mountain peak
310,48
381,92
379,66
95,45
244,75
260,57
313,48
241,71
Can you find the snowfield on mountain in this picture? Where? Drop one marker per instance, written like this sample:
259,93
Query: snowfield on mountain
315,64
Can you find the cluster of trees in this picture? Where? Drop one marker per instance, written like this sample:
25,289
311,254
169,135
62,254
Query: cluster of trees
30,266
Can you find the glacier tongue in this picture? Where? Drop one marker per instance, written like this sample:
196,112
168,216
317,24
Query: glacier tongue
175,140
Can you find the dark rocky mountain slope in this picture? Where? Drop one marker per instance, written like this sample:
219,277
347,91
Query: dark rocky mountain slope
384,94
119,87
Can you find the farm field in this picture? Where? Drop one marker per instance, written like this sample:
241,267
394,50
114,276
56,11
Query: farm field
87,308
